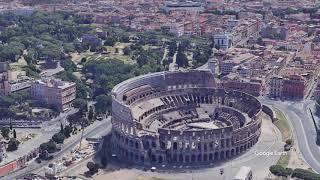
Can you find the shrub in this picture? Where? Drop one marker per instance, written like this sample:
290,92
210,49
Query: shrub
278,170
93,167
305,174
13,145
289,141
58,138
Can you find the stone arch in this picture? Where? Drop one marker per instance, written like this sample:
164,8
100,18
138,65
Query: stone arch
180,158
160,159
154,145
193,158
187,158
210,157
199,159
199,146
216,156
153,158
175,146
205,157
232,152
146,144
222,155
131,155
174,158
228,154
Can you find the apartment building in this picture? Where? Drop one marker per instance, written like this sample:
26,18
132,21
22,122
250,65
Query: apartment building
54,92
289,87
253,88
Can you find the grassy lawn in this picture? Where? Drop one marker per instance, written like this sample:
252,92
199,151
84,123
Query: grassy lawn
77,74
283,125
147,46
76,57
284,159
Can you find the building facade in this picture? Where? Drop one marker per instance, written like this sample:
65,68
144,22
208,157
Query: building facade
276,84
253,88
54,92
223,41
289,87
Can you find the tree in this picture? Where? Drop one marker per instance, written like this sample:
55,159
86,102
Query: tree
61,127
81,104
67,131
126,51
93,167
103,103
182,59
13,145
83,91
58,138
289,141
69,65
10,124
172,48
91,114
110,41
5,132
14,134
142,59
73,118
69,47
50,146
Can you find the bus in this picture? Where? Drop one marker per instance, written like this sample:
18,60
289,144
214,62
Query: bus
245,173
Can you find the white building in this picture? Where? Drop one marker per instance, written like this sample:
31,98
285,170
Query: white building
223,41
54,92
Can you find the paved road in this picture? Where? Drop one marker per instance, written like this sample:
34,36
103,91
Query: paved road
98,128
301,122
51,72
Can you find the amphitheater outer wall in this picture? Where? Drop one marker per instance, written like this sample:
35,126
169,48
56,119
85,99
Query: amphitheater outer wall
176,147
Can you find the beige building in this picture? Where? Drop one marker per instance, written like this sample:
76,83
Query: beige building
54,92
13,81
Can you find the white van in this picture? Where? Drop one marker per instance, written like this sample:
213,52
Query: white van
245,173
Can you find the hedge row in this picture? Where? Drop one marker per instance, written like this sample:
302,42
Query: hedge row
278,170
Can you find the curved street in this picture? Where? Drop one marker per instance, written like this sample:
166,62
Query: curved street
303,128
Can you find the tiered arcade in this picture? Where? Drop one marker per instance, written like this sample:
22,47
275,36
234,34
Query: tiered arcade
181,118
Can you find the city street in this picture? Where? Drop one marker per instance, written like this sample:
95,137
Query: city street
304,131
98,128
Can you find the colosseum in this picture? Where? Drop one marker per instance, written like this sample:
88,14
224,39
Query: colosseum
181,118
